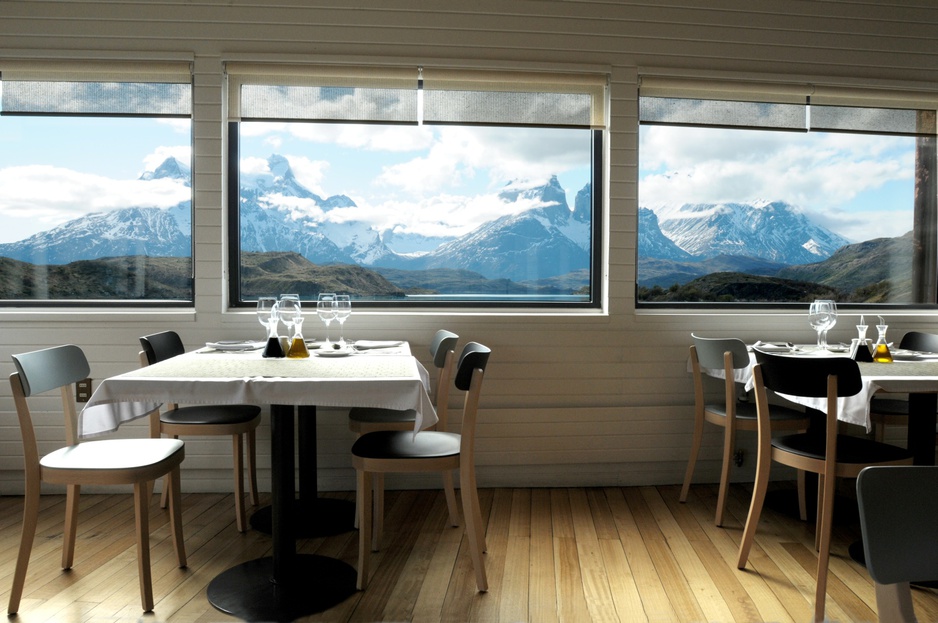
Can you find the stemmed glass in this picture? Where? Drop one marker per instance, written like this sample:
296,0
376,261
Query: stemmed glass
289,309
325,308
265,309
343,309
823,316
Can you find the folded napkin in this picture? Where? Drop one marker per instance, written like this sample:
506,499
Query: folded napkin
368,344
772,347
235,345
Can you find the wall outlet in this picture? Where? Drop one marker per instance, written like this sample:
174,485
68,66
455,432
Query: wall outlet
83,390
738,457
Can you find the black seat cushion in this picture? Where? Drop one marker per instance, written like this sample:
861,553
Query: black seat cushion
211,414
747,411
849,449
388,444
377,415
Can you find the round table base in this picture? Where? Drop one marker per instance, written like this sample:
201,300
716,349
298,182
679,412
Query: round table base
328,517
247,591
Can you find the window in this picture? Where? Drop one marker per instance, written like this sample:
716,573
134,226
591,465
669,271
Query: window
415,186
95,183
763,194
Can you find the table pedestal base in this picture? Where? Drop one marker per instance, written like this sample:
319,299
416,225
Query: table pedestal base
247,590
327,517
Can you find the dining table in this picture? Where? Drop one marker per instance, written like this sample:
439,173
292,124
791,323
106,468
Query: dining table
285,585
912,373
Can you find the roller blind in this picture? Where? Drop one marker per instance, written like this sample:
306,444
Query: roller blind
789,106
96,88
414,95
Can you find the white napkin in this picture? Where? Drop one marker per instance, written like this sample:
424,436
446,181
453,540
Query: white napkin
368,344
771,347
235,345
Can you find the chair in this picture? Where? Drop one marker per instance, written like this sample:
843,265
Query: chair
103,462
893,411
898,507
729,355
380,452
368,419
829,455
239,421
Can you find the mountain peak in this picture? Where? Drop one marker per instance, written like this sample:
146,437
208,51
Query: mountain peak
171,168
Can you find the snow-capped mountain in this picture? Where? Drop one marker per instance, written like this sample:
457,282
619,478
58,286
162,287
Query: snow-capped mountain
775,231
652,243
128,231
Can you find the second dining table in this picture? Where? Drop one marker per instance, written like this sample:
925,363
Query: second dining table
285,585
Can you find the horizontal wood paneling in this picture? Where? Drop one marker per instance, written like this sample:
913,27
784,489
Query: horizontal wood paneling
579,399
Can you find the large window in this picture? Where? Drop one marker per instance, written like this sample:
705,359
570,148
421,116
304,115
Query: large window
415,186
780,194
95,183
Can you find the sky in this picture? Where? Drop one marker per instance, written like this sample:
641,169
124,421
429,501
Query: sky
859,186
438,180
428,180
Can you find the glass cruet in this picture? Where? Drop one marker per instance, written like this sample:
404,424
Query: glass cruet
298,348
881,352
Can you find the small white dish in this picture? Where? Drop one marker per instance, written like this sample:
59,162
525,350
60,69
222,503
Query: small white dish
331,352
234,345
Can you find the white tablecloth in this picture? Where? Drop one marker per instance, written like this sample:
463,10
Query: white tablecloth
382,378
899,376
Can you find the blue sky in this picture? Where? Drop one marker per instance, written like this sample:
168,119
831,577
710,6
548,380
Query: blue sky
859,186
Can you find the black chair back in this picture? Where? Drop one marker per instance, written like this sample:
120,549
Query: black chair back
474,355
806,376
161,346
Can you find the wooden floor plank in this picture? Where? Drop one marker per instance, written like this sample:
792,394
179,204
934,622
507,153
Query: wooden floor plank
604,554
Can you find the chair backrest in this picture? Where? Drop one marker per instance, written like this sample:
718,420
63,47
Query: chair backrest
898,507
469,374
443,341
161,346
40,371
710,351
922,342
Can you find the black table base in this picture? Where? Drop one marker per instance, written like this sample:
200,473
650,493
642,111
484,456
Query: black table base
327,517
247,591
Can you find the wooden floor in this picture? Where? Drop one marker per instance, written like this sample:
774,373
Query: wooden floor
605,554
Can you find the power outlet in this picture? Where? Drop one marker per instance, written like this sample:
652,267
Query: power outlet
739,457
83,390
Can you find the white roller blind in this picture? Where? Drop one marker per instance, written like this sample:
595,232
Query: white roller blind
96,87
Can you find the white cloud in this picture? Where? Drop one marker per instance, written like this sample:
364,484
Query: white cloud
182,153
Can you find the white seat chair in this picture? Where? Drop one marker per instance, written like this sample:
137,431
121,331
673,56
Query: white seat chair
729,355
898,511
134,462
240,422
830,456
381,452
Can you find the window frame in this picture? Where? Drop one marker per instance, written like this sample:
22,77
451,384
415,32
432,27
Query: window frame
804,94
308,74
109,72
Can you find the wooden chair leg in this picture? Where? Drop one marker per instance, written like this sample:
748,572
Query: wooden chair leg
450,492
164,496
729,445
818,530
141,511
802,496
72,495
237,451
175,514
252,465
30,519
763,467
470,504
378,504
364,530
692,460
894,603
823,559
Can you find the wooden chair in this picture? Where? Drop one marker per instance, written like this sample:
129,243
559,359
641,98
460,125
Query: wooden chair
830,455
893,411
898,507
369,419
238,421
729,355
104,462
380,452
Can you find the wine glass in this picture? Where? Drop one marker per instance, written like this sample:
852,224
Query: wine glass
325,308
822,315
266,306
288,309
343,309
